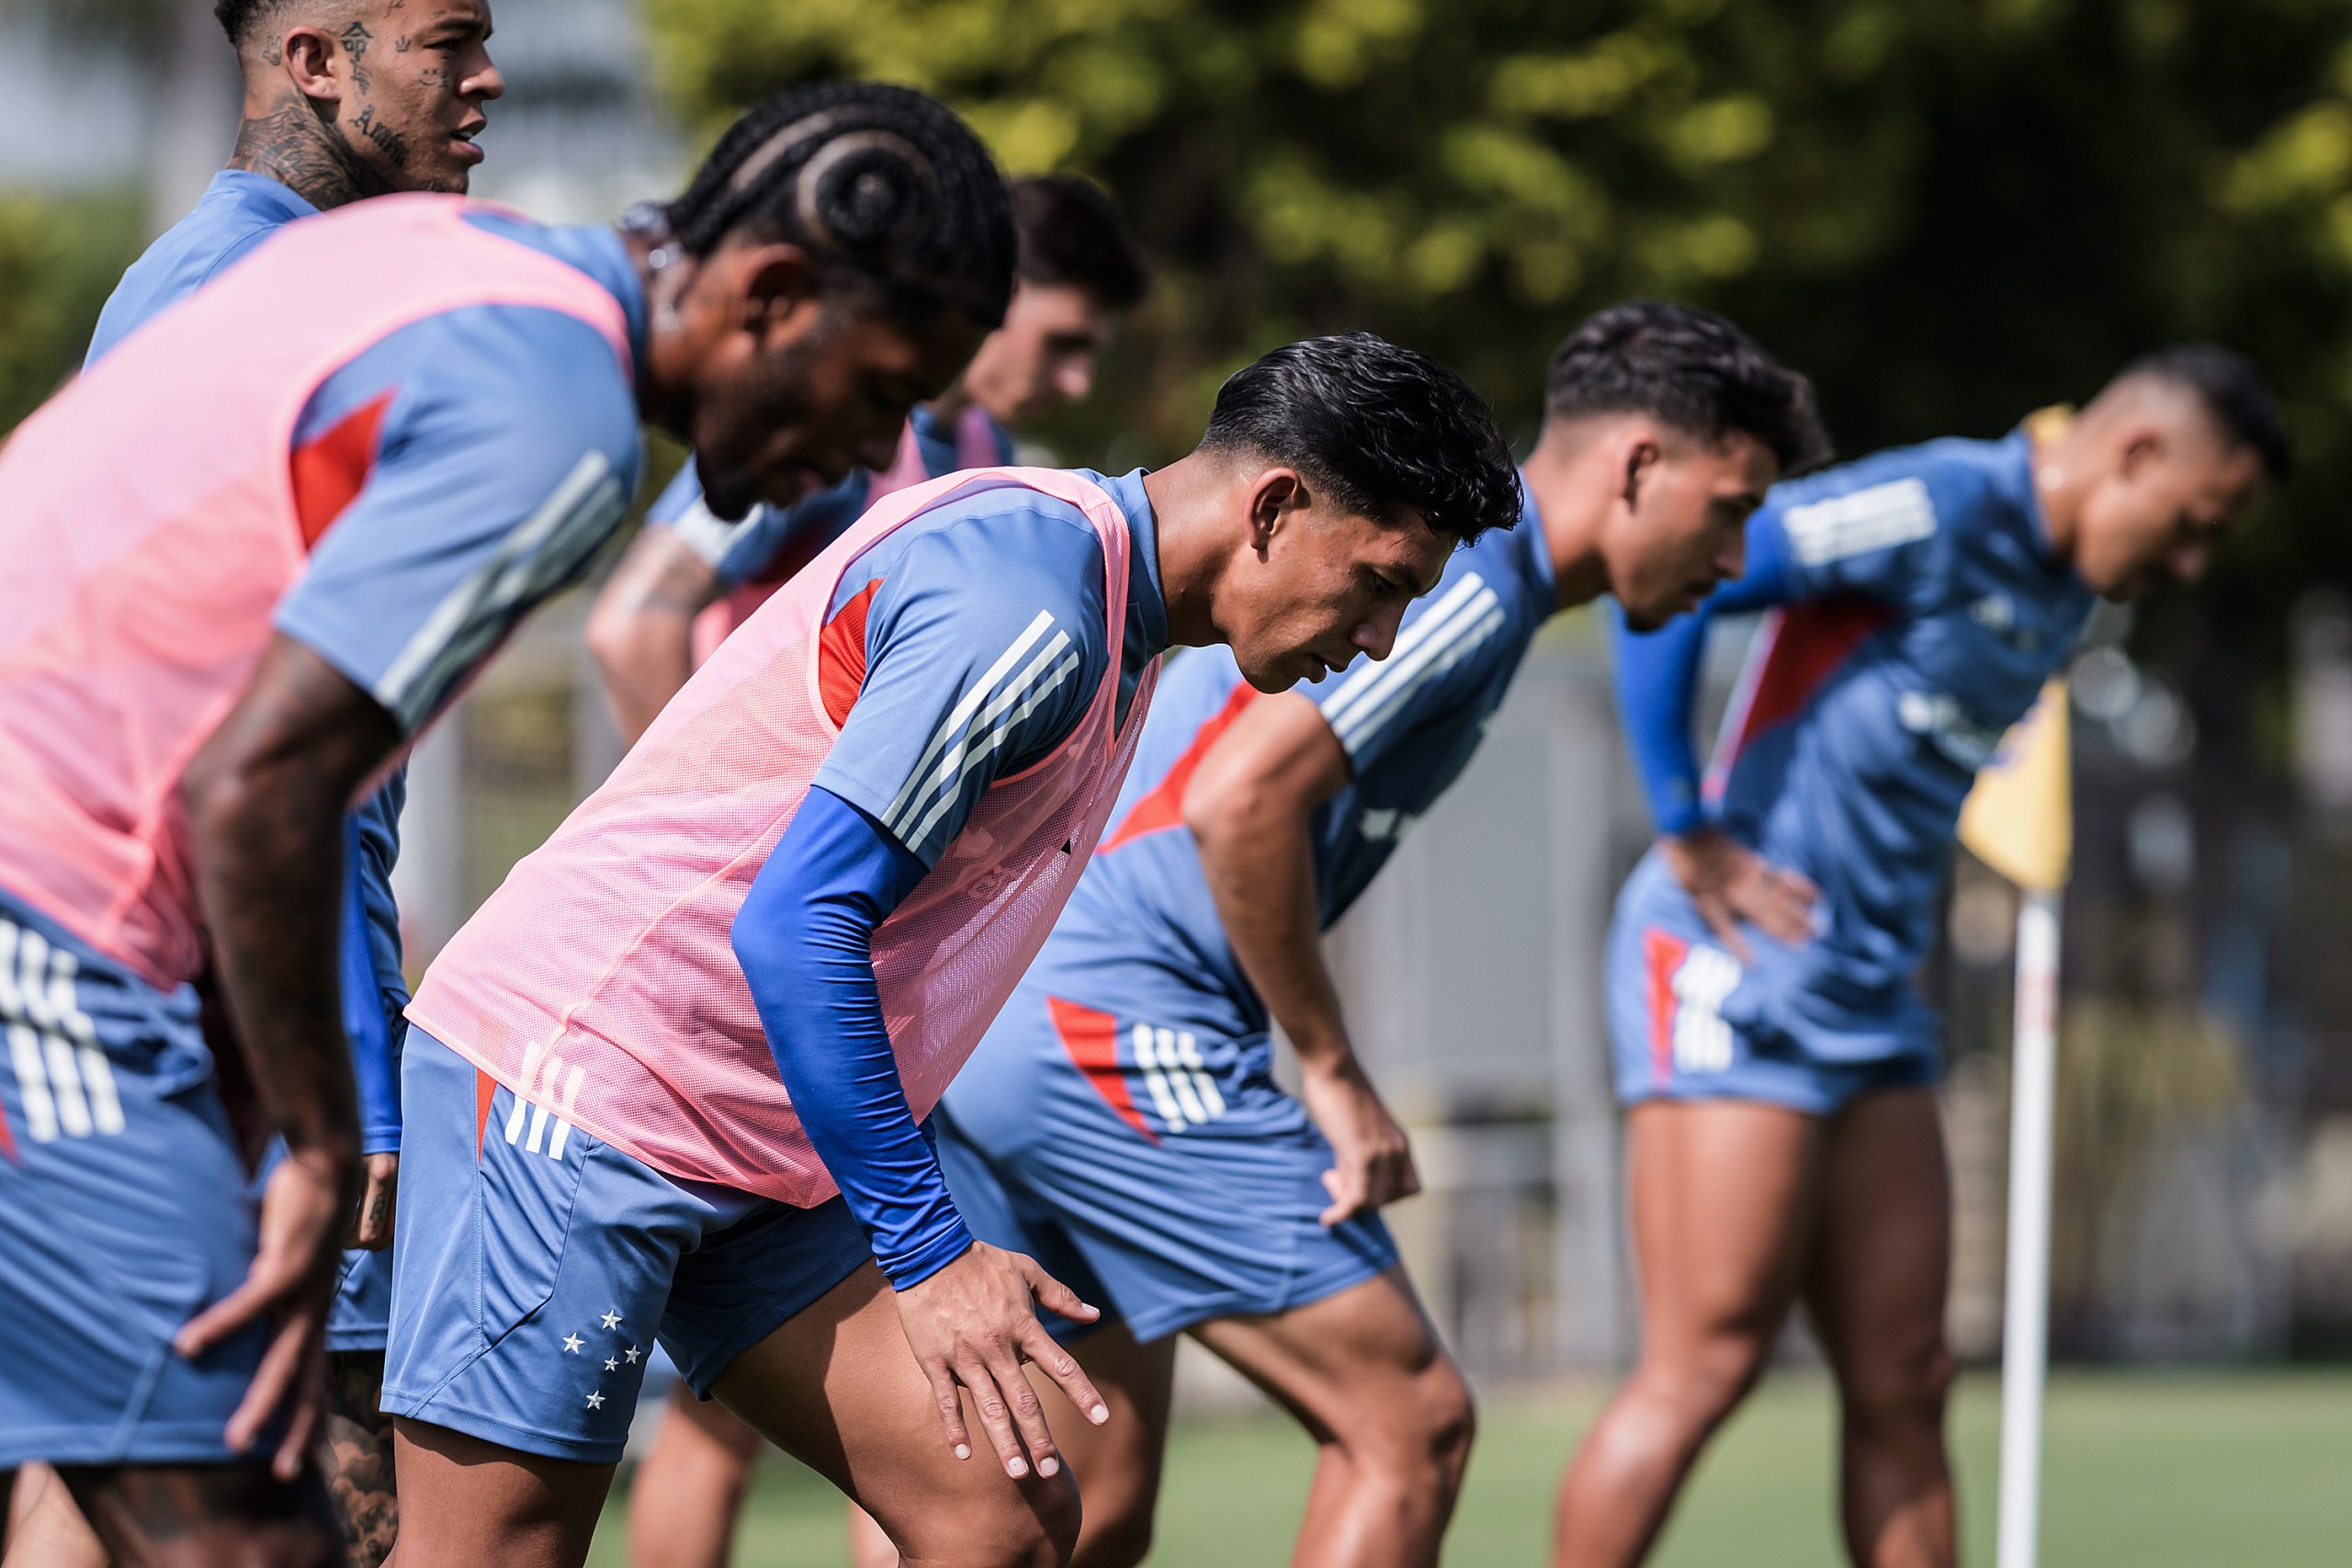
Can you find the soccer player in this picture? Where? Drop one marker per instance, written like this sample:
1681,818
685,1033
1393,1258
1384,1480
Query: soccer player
342,99
689,579
1121,1122
1777,1062
363,454
670,1080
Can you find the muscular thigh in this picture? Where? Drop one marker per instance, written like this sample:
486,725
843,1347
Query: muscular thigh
1368,1348
1722,1198
837,1388
1878,1278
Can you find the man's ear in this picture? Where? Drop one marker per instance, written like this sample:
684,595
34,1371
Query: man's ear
1640,457
1276,494
307,55
774,280
2143,448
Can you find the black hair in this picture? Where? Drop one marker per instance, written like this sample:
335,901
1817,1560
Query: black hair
1690,368
880,183
240,19
1383,430
2233,393
1072,237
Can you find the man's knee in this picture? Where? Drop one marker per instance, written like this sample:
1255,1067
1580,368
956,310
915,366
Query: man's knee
1698,1383
1897,1388
1034,1527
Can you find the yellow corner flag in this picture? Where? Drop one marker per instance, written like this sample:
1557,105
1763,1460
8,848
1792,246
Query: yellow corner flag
2019,818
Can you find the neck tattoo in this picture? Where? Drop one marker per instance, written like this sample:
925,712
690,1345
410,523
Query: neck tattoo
304,151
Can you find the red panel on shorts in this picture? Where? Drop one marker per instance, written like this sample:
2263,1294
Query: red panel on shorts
1092,1039
485,1089
1164,806
841,655
329,470
1662,954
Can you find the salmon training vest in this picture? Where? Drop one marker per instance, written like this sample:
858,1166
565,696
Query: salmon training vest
600,982
149,524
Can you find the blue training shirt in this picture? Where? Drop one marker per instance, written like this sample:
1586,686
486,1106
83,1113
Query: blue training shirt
774,542
1920,612
969,645
1142,930
237,211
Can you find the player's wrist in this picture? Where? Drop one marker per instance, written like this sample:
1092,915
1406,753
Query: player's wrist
906,1268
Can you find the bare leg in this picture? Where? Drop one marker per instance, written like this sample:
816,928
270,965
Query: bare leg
207,1516
1117,1465
44,1528
474,1502
1365,1373
837,1389
1876,1292
1722,1193
688,1495
359,1436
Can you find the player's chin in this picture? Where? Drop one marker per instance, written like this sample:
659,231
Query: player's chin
1279,672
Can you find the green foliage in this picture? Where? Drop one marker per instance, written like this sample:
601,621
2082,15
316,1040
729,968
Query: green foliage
58,260
1948,211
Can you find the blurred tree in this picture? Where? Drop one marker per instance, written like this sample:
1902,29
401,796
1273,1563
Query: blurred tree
58,260
1948,210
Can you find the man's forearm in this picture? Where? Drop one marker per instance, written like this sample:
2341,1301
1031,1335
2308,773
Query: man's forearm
269,860
1260,862
642,631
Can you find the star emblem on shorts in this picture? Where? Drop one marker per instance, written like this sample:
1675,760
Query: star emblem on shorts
612,1320
572,1343
631,1354
611,1365
595,1401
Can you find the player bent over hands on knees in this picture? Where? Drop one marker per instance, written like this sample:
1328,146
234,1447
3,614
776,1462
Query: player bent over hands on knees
365,452
672,1078
1777,1060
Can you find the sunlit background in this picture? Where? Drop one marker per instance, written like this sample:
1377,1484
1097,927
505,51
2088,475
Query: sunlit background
1949,212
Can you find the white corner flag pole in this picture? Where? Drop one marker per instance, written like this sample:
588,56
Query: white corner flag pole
2025,1317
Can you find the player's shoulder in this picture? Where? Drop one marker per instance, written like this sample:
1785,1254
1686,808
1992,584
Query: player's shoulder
1012,533
1900,496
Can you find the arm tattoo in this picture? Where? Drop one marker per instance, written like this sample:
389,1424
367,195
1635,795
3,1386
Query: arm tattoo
360,1436
301,149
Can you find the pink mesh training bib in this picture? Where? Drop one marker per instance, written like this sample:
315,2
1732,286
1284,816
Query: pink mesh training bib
975,448
599,982
148,524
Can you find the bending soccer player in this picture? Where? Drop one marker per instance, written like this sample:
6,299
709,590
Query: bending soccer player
344,99
363,453
670,1080
1777,1061
1121,1122
690,579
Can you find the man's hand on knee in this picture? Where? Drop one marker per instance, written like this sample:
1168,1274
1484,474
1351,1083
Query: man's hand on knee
971,1325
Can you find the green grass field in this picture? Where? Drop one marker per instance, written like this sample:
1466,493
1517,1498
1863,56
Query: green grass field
2152,1470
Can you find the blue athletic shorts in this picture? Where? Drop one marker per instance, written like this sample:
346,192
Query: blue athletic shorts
1165,1178
123,1209
1685,1021
362,1308
533,1267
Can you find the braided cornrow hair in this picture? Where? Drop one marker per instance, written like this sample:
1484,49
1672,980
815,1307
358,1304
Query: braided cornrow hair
881,184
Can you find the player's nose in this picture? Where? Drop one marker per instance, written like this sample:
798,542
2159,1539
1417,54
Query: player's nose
486,82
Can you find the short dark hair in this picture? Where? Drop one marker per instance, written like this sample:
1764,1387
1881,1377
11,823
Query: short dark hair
242,18
2233,393
1690,368
1072,237
881,183
1386,431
